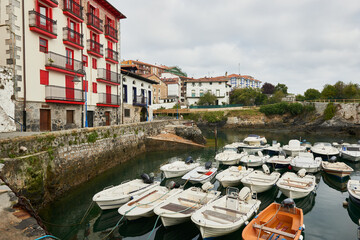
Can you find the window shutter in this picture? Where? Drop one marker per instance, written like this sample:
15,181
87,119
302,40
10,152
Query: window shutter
44,77
94,84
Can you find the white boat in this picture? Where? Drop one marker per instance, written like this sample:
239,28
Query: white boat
254,160
233,146
293,148
260,181
232,176
307,161
338,169
179,208
227,214
295,185
274,149
201,174
177,168
324,150
143,205
279,161
114,197
353,187
229,157
253,139
253,143
351,152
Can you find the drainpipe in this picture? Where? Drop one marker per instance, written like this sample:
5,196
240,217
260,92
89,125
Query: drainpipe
120,75
24,64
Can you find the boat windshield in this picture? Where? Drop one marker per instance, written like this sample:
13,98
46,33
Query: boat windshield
322,144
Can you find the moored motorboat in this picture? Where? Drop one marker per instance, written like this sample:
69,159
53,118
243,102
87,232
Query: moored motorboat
201,174
260,181
351,152
279,161
233,146
226,214
232,176
353,187
114,197
178,168
254,160
324,150
307,161
338,169
229,157
253,143
143,205
274,149
278,221
293,148
295,185
179,208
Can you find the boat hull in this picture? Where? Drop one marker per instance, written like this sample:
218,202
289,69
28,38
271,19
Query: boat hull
105,205
292,153
174,174
350,157
325,157
170,221
207,232
308,169
340,174
258,188
294,194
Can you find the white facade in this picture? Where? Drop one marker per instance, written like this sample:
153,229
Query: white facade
195,89
237,81
7,105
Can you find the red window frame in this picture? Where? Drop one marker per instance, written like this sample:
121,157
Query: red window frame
48,26
108,71
94,87
85,85
44,77
74,28
69,58
85,60
110,52
43,48
94,63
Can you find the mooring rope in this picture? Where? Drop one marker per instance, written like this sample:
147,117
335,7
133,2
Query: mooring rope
48,236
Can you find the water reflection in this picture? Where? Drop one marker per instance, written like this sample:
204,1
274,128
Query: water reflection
336,183
306,203
106,220
353,211
182,231
139,227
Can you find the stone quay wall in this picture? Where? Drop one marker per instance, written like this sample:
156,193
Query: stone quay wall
43,167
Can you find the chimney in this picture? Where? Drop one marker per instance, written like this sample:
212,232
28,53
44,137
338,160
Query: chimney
225,74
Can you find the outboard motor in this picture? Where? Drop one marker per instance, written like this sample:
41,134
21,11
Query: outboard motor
172,185
288,203
332,159
358,141
208,165
146,178
189,160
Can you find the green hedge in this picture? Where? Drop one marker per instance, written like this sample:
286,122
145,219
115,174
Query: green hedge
329,111
281,108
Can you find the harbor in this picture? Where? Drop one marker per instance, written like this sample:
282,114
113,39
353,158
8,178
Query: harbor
323,209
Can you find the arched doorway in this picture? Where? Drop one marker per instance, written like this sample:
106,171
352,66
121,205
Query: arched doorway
143,114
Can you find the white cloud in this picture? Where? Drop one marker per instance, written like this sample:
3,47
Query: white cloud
303,44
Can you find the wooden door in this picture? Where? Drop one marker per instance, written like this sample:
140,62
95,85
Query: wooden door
45,120
107,118
69,88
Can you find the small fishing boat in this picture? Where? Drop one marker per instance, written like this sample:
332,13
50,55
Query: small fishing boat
351,152
338,169
274,149
201,174
178,168
279,161
306,161
253,143
324,150
232,176
306,144
229,157
260,181
114,197
179,208
254,160
293,148
295,185
233,146
143,205
226,214
278,221
353,187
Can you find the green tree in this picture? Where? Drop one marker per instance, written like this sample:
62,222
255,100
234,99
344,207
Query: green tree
339,86
276,97
300,97
328,92
312,94
281,87
351,91
207,99
245,96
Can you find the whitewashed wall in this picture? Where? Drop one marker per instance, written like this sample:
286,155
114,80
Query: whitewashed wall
7,106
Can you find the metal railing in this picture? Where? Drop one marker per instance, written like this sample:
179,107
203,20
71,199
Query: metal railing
140,100
42,22
111,54
73,36
95,47
111,31
112,99
74,8
334,100
59,61
64,94
108,75
94,21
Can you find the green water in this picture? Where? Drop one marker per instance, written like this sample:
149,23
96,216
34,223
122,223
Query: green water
324,214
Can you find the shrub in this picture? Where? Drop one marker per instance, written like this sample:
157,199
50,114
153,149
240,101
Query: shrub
281,108
329,111
295,108
213,117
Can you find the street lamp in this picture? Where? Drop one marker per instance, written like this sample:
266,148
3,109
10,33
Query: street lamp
77,80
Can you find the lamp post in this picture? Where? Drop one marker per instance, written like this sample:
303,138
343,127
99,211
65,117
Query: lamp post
77,80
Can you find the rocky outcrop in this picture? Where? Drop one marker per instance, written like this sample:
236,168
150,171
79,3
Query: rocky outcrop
192,133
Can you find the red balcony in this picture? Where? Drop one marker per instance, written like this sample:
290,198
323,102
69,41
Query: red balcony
94,23
57,94
74,10
50,3
43,25
112,56
108,100
94,48
108,77
73,38
111,33
63,64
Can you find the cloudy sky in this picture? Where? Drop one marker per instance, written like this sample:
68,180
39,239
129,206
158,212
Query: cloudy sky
303,44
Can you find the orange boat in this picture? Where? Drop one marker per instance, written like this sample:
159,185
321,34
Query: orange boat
278,221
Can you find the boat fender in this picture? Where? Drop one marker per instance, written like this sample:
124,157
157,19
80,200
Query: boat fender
266,169
303,227
246,223
172,185
207,186
146,178
208,165
302,172
239,168
333,159
189,160
288,202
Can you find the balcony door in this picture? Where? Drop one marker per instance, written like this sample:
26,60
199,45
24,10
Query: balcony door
108,94
110,48
69,92
69,59
108,72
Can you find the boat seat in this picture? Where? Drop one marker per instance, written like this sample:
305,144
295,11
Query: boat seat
274,230
179,208
219,215
228,209
189,200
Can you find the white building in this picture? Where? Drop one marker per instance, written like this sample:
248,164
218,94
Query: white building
195,88
58,42
243,81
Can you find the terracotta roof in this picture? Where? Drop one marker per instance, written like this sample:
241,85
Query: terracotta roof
243,76
110,8
124,72
210,79
148,64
